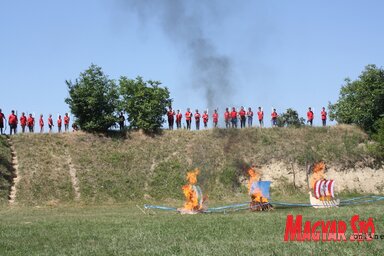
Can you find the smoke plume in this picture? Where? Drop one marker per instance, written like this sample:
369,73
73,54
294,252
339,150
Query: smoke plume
183,23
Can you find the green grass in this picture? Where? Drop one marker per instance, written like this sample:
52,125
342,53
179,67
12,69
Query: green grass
122,229
5,170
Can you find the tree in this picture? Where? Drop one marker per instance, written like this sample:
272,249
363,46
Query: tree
93,100
361,102
290,118
145,102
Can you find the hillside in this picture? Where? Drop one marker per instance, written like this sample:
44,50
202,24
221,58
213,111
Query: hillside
60,168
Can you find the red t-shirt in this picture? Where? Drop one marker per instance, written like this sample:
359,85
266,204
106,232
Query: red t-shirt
66,119
41,121
205,118
59,121
274,115
170,115
31,121
250,113
50,121
233,114
188,116
23,120
1,117
323,115
197,116
215,117
242,113
260,114
226,115
12,119
310,115
178,117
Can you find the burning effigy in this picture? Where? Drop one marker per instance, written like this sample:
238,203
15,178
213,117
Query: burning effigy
258,191
193,195
321,194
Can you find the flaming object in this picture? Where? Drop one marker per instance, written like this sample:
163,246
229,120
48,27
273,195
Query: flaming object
193,194
258,191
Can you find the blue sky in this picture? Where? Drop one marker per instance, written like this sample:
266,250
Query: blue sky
281,53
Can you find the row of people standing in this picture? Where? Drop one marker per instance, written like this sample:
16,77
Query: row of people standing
231,118
29,122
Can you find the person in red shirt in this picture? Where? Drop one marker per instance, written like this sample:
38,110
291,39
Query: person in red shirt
205,119
179,116
197,119
66,122
310,116
274,116
234,118
41,124
242,115
2,122
171,118
260,115
227,118
250,117
50,123
59,122
23,122
12,121
324,117
215,117
30,123
188,118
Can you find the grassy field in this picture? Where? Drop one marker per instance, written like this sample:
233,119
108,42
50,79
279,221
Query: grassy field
122,229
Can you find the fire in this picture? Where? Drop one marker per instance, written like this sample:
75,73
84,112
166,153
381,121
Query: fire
192,193
318,173
255,189
321,187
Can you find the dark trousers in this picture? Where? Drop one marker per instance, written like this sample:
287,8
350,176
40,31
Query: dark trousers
23,128
234,122
242,122
30,128
178,124
188,124
12,127
324,122
170,124
197,125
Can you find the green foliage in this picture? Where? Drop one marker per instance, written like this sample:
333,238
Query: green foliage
145,102
93,100
361,102
290,119
378,148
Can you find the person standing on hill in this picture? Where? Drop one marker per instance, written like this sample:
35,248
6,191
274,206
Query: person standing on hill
179,116
260,115
215,118
59,122
30,123
324,116
66,122
171,118
50,123
234,117
205,119
227,118
121,121
23,122
197,119
242,114
310,116
12,121
2,122
274,116
250,117
188,118
41,123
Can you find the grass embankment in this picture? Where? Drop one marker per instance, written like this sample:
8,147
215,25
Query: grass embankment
115,169
5,170
125,230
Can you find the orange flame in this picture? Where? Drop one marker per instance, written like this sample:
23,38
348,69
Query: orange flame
318,173
257,195
191,196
